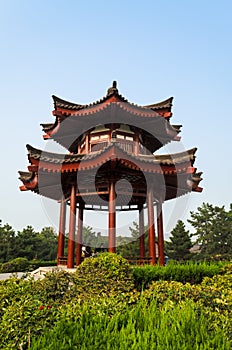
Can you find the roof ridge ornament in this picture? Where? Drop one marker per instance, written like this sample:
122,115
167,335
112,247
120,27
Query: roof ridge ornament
113,89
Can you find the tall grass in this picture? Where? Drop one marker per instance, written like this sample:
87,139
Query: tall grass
146,327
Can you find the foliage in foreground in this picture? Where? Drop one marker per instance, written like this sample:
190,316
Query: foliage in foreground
144,326
29,309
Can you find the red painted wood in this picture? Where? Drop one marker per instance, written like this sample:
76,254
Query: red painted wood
141,232
160,234
151,227
72,226
79,235
112,219
61,237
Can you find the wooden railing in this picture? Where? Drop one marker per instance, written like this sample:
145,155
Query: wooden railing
128,146
62,260
139,261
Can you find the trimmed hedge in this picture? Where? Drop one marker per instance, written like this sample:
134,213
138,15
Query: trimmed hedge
189,272
15,265
24,265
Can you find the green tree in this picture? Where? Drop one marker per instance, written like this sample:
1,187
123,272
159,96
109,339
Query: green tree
213,230
180,243
89,237
47,244
27,243
8,246
130,246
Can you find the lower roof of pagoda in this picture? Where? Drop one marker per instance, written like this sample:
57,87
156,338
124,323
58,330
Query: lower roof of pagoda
164,163
67,128
51,174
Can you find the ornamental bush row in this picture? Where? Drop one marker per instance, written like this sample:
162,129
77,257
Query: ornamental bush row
191,272
24,265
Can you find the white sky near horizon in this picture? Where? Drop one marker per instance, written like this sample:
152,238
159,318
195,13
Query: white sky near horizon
154,49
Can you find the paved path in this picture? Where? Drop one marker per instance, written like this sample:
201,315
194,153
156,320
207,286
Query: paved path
38,273
5,276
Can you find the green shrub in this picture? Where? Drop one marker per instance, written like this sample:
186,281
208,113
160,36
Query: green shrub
35,264
23,265
15,265
188,272
215,297
23,319
54,286
104,274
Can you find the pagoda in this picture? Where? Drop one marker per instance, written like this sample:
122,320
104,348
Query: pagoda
111,165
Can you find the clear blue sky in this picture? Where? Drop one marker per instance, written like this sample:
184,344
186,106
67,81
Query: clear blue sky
154,49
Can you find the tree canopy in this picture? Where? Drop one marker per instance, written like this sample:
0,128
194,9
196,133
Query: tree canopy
180,243
213,230
27,243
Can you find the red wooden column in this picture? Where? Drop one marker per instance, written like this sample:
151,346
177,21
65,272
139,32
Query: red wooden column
79,234
160,233
151,226
141,232
72,226
112,219
61,237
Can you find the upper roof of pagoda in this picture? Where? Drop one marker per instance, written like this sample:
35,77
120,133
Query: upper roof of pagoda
69,108
76,119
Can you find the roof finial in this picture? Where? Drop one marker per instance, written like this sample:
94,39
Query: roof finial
112,89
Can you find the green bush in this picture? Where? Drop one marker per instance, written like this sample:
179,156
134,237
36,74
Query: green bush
35,264
103,275
23,319
15,265
23,265
217,297
54,286
188,272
